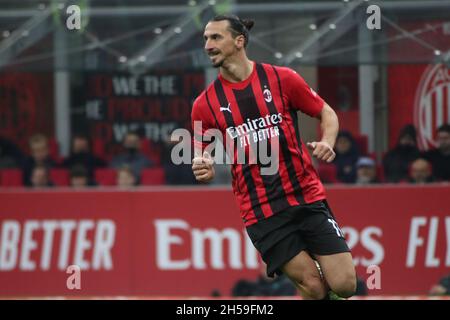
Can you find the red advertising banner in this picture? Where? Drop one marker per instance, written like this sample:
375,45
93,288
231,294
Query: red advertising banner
189,242
422,98
419,93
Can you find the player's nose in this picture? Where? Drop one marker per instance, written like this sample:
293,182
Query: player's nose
208,46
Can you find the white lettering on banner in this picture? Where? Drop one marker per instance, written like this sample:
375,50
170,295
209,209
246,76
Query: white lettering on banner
431,260
150,85
216,239
368,241
165,239
20,249
83,243
104,241
66,228
125,86
369,238
28,245
416,241
47,246
9,244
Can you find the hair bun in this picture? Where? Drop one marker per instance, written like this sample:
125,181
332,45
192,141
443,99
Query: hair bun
248,23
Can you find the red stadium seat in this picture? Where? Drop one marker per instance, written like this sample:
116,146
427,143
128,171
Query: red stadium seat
105,176
98,148
380,173
60,177
151,151
54,150
11,178
153,176
372,155
363,144
328,173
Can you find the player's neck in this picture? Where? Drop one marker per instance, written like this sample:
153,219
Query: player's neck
238,70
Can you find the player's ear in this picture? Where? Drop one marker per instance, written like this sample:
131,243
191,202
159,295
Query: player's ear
240,41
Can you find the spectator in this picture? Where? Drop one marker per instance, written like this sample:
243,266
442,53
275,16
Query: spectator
361,287
346,156
80,154
126,177
180,174
132,157
10,154
442,288
39,157
366,171
440,157
397,161
79,177
264,286
40,177
421,171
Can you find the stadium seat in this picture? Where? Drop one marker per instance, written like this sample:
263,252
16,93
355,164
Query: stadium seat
372,155
98,148
153,176
11,178
60,177
105,176
363,144
328,173
151,151
54,150
380,173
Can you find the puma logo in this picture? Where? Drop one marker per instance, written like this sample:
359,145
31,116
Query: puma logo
228,108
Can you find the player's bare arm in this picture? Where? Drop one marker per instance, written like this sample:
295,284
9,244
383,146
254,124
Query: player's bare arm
329,123
203,167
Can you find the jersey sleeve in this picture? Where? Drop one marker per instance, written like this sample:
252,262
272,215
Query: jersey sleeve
301,96
200,121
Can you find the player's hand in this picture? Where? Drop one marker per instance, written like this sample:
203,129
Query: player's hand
203,168
322,151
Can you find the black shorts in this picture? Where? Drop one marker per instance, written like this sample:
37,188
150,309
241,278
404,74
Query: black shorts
310,227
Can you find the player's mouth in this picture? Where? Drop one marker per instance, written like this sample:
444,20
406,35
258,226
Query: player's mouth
213,54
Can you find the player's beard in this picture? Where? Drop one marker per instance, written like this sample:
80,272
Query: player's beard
218,63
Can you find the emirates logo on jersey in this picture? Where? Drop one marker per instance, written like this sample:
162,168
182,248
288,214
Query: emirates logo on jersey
267,95
432,104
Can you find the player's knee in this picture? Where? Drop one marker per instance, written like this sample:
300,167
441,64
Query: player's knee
346,286
314,287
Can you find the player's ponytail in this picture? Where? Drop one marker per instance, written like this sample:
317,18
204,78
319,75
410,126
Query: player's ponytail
248,23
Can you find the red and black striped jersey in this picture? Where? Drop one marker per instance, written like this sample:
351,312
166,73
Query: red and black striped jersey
264,106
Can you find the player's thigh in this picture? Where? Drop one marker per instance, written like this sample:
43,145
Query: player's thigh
301,269
339,272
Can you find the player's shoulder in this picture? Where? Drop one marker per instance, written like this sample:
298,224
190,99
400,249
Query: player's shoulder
199,100
282,70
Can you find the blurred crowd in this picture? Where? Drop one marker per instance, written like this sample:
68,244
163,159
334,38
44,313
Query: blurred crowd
42,166
142,163
404,163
